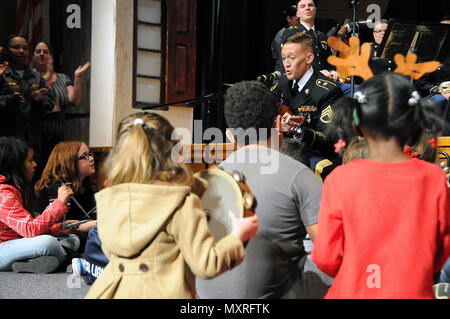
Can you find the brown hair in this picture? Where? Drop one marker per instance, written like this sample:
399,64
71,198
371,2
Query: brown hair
302,38
61,167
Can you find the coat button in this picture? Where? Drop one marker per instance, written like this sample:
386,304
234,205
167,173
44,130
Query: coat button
121,268
143,267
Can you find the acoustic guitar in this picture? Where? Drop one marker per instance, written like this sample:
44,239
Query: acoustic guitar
294,121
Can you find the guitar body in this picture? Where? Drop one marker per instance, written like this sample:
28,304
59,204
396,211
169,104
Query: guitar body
293,121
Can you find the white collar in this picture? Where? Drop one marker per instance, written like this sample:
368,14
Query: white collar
304,79
307,27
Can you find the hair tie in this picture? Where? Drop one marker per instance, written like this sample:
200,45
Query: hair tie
138,121
360,97
407,151
433,142
339,146
414,99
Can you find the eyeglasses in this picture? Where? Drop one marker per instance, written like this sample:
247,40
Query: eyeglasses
86,156
379,31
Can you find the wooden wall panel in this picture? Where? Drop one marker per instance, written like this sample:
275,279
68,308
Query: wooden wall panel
180,50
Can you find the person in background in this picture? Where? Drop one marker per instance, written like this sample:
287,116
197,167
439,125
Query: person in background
67,92
309,93
290,13
151,224
388,207
71,163
357,148
24,99
29,244
429,84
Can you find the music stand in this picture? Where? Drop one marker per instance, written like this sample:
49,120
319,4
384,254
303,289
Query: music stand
430,41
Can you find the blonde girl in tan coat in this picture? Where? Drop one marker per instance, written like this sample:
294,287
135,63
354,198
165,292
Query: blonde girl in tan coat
151,223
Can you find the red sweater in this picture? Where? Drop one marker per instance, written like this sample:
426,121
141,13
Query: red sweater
16,222
384,229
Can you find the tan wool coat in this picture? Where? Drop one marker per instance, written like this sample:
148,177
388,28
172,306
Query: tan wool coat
157,240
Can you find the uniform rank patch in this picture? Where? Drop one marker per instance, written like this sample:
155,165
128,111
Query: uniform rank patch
326,115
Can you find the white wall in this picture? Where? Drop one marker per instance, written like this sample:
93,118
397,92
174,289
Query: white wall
112,73
102,72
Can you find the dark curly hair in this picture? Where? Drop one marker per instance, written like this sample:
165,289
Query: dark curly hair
249,106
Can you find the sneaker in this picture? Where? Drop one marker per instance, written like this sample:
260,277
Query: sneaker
77,267
442,290
39,265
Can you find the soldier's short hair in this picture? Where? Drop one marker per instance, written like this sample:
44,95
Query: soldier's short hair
302,38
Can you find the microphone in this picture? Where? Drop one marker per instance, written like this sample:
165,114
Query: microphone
268,77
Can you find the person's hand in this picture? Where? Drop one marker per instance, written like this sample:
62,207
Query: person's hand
82,69
243,228
3,67
19,97
343,31
39,94
67,231
87,226
64,193
284,126
331,75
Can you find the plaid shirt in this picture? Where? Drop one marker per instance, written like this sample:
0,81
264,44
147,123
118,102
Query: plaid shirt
16,222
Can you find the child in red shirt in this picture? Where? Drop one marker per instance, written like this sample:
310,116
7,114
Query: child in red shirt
384,221
26,243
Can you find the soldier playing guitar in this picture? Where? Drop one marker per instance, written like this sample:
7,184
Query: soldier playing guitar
307,96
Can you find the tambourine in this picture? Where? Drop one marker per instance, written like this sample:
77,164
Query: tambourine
226,192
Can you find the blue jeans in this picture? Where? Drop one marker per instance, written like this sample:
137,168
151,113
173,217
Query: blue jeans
29,248
440,103
445,273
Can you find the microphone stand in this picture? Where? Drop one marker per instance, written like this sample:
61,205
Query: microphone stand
189,103
353,4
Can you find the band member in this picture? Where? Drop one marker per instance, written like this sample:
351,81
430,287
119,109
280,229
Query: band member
305,91
292,22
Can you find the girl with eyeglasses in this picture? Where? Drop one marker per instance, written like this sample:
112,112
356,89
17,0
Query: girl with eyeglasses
29,244
70,163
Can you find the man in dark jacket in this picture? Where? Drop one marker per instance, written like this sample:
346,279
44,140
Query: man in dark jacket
24,98
306,91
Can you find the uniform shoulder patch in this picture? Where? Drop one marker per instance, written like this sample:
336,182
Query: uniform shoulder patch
327,115
325,84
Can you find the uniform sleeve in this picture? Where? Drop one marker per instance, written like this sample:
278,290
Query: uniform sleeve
16,217
316,137
7,99
443,247
205,258
328,246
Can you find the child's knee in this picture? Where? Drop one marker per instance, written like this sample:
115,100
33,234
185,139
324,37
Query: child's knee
50,246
